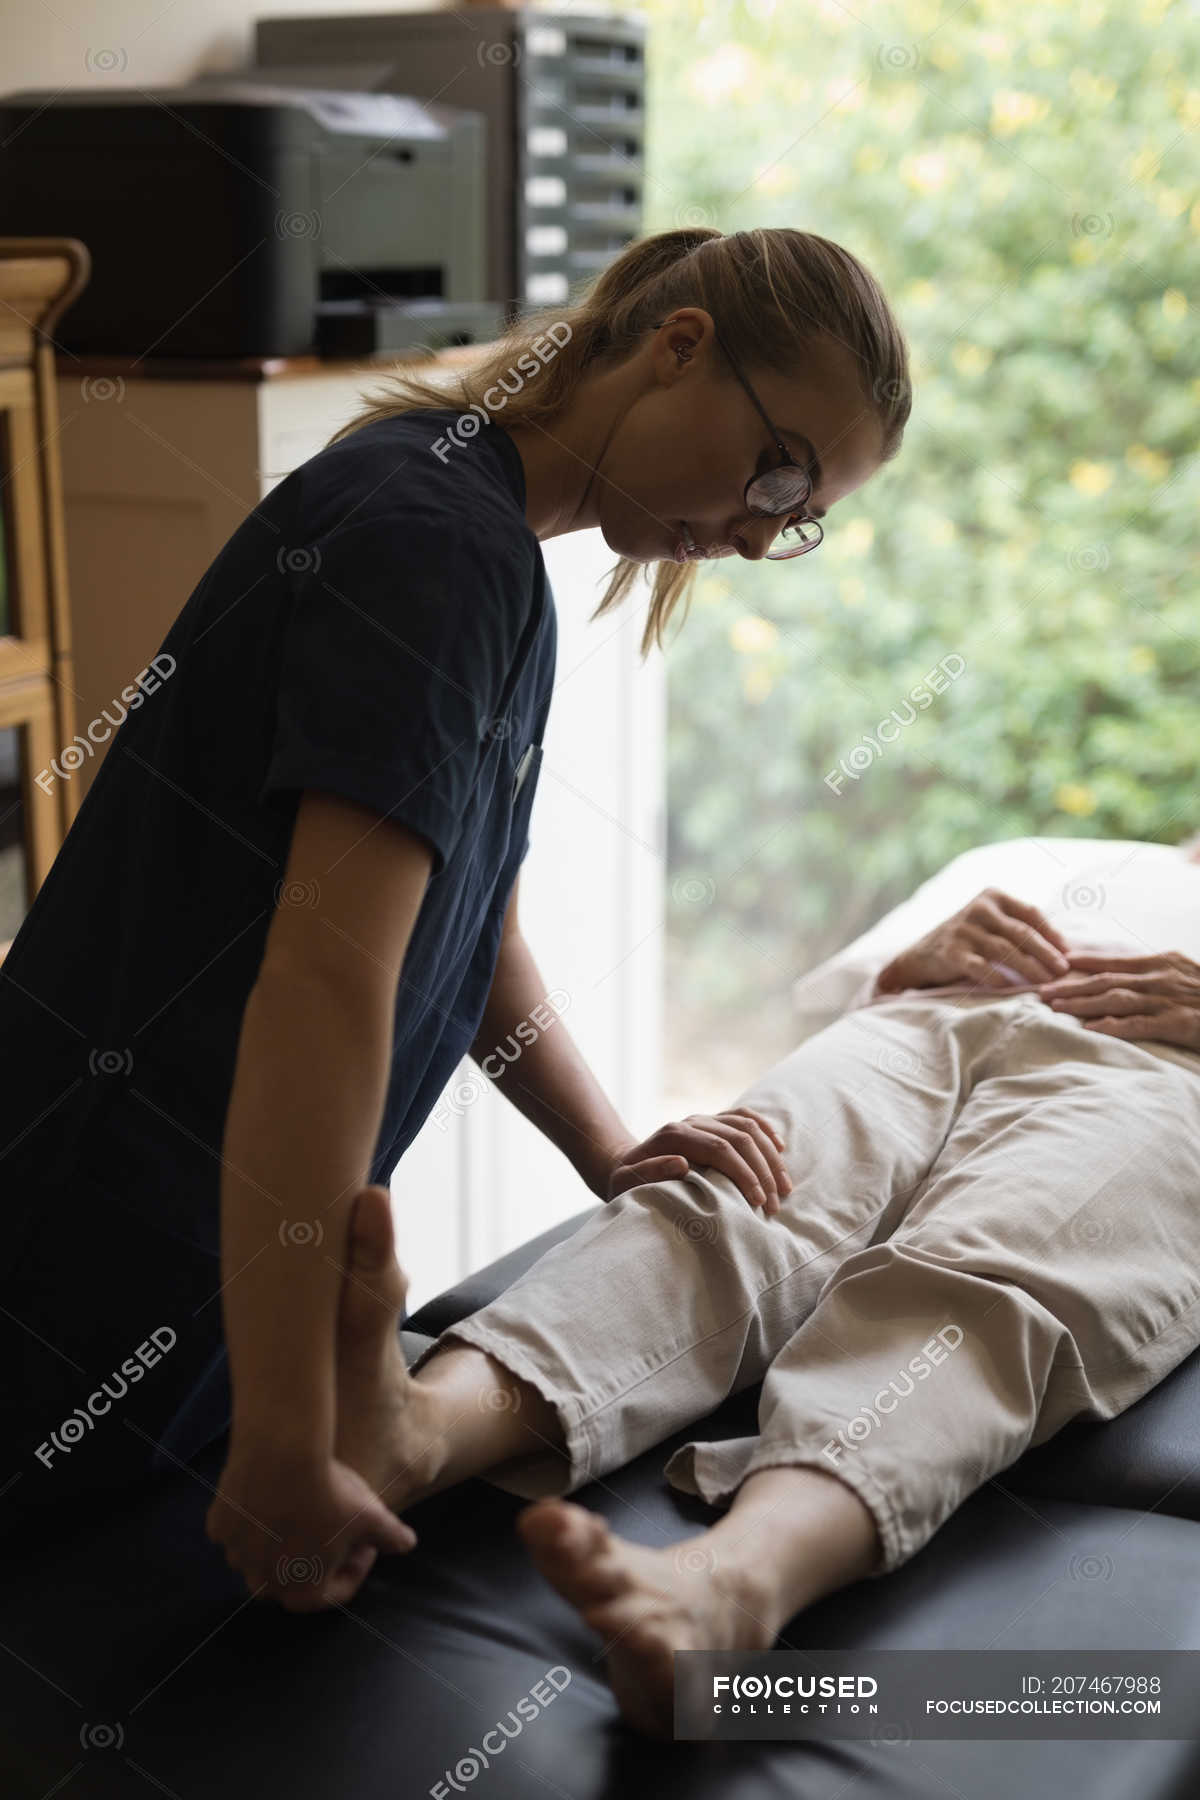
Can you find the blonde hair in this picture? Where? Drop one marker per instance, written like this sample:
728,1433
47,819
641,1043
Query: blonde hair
777,297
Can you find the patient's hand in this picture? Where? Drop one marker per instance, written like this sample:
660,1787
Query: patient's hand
741,1143
1155,996
990,933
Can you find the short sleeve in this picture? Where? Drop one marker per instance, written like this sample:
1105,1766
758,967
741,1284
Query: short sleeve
397,653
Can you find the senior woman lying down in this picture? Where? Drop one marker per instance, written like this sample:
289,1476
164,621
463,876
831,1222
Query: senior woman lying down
992,1227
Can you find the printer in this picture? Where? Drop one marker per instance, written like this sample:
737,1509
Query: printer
236,218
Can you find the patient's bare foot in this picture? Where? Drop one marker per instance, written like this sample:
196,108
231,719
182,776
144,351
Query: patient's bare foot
647,1603
386,1427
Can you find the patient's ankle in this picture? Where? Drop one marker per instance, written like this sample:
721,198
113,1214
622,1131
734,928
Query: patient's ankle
485,1413
798,1533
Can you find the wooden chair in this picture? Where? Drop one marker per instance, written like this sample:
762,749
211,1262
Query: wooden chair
39,278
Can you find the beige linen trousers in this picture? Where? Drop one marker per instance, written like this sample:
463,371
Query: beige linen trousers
994,1228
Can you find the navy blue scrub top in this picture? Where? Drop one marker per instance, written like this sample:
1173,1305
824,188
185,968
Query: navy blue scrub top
380,626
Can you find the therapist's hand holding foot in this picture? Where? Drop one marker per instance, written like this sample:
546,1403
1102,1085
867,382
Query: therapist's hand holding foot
301,1528
385,1428
304,1528
411,1436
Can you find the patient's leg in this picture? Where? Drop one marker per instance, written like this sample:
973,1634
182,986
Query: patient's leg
1055,1232
1049,1269
414,1436
791,1535
677,1293
671,1297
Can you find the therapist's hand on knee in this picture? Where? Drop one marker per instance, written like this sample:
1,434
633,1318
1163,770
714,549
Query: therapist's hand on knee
741,1143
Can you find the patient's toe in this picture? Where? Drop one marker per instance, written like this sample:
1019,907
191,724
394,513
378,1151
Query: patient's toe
641,1601
571,1546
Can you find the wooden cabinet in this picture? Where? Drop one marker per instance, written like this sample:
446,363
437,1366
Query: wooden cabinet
39,278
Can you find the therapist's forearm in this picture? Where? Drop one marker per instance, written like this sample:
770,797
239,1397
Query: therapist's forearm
549,1081
308,1093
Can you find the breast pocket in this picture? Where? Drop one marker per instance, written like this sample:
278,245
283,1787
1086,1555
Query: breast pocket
531,756
524,786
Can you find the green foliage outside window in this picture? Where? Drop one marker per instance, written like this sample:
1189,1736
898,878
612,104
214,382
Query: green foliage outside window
1025,188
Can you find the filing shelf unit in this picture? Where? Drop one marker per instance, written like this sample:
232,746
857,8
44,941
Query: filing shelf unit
564,98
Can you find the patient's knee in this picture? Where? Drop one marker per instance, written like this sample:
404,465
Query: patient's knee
700,1207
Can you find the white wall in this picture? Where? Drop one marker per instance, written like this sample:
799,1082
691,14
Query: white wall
146,43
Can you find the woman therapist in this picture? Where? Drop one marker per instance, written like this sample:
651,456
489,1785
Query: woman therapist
288,904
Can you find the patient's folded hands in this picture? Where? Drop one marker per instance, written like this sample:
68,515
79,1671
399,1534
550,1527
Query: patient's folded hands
994,941
742,1144
1155,996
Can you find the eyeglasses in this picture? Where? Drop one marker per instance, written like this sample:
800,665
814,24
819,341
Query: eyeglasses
784,489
